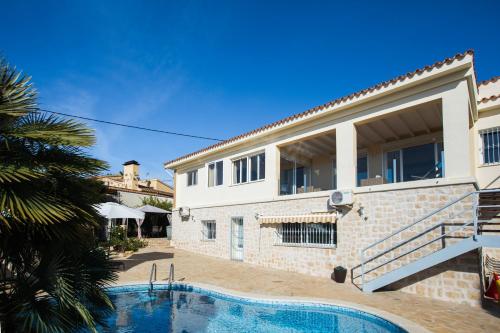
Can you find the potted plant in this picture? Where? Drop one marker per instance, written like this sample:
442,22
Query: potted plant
340,274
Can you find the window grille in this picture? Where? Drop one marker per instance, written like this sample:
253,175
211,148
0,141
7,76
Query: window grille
490,139
307,234
209,230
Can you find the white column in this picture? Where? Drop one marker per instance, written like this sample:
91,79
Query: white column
346,155
456,141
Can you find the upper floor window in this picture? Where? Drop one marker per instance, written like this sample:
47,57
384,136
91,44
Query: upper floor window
240,171
215,173
192,178
490,140
258,167
253,167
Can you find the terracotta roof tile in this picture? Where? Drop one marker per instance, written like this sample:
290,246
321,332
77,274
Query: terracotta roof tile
491,80
340,100
143,191
491,98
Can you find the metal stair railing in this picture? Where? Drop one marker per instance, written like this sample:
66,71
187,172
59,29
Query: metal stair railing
474,223
171,275
151,275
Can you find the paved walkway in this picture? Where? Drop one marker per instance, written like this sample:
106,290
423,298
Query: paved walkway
435,316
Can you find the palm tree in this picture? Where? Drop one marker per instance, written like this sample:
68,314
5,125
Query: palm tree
52,274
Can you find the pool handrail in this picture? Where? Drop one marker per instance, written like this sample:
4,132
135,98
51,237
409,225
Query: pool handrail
153,271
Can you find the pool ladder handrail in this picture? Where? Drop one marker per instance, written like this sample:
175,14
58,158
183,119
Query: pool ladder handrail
171,275
153,273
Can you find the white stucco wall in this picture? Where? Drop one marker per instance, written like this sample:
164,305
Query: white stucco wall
488,176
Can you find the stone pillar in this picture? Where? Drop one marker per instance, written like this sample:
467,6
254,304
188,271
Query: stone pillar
456,114
346,155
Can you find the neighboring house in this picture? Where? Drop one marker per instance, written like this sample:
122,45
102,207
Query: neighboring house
128,189
403,148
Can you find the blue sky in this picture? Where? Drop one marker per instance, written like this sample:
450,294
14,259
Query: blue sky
220,68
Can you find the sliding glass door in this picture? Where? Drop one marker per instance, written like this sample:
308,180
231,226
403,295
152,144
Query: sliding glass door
415,163
294,177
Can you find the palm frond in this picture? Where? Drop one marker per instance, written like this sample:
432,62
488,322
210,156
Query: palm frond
17,95
13,173
25,206
51,130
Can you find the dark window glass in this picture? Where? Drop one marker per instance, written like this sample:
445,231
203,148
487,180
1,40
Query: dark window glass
262,166
219,173
237,171
362,169
393,168
244,170
192,177
253,168
491,146
211,174
419,162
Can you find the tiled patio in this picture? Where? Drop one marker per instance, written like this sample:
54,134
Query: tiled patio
436,316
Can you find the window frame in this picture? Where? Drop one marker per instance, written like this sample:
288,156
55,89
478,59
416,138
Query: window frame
247,173
400,149
209,234
482,149
362,154
214,163
248,158
195,173
305,230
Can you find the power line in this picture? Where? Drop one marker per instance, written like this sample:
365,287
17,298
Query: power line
132,126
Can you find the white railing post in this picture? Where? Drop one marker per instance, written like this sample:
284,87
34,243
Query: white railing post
475,210
362,269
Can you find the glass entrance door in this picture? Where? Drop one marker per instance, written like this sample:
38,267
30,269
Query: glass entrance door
237,238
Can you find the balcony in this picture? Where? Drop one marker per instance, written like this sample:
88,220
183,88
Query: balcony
401,147
308,165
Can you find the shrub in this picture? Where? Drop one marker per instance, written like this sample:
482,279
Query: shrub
119,241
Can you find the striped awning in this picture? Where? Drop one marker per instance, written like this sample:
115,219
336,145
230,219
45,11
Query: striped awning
299,218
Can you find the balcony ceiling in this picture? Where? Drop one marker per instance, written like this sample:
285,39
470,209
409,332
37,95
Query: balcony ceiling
421,120
311,147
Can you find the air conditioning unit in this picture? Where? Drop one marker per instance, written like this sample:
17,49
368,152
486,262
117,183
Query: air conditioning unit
184,211
341,198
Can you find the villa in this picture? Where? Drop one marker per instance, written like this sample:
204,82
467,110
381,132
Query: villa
384,182
129,189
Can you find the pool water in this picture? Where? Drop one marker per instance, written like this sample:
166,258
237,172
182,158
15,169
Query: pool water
189,309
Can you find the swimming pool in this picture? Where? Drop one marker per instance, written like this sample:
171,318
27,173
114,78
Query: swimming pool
189,309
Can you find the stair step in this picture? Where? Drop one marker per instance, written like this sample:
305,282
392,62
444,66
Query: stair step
433,259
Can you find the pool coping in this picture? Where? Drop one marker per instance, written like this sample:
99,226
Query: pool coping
404,323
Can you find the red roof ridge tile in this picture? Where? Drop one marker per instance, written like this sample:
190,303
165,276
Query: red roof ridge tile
384,84
490,80
143,191
489,98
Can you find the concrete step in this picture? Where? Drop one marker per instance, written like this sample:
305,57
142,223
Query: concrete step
158,242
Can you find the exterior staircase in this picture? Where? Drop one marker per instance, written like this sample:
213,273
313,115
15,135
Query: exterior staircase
158,243
462,225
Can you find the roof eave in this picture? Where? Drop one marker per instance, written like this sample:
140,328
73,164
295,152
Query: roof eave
402,82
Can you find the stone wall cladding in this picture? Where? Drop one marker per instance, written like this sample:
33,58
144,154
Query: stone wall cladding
381,214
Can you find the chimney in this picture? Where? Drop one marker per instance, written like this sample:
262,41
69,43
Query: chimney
131,174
